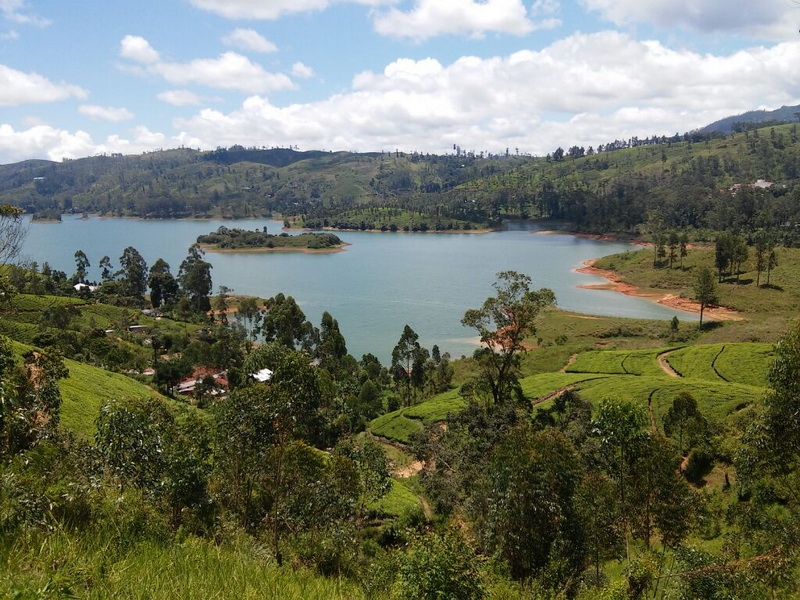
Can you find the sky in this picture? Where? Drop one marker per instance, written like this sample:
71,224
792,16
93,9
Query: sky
89,77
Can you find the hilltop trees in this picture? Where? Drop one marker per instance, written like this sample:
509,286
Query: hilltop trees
503,322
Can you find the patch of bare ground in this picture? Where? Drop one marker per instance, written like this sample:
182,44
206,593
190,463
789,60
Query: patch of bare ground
571,360
665,366
616,283
408,470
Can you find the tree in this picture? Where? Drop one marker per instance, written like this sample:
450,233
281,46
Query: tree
332,347
249,316
503,323
133,271
524,506
705,290
81,264
12,233
106,269
194,277
164,288
684,420
683,241
405,356
673,241
285,322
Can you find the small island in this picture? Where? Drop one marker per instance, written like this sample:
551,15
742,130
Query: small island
226,239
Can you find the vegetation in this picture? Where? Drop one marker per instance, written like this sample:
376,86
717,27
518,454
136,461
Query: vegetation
240,239
184,451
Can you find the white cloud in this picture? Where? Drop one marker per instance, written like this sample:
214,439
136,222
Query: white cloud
42,140
430,18
249,39
302,71
18,88
770,18
14,10
269,9
106,113
230,71
138,49
179,98
585,90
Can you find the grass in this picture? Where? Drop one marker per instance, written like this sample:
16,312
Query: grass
621,362
766,310
716,400
89,567
736,363
87,389
398,501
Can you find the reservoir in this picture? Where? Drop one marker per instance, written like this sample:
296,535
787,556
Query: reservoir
377,285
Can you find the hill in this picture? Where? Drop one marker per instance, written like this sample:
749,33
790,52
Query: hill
754,119
684,181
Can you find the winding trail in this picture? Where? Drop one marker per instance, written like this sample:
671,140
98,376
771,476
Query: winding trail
665,366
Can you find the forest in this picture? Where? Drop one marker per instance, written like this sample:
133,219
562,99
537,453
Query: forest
160,440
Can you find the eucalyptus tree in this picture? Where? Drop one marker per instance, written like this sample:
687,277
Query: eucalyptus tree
503,323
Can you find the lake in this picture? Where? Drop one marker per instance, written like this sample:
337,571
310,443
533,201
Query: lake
380,283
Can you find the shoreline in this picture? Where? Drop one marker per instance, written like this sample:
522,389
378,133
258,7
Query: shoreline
615,282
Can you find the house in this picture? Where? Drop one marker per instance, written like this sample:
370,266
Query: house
188,386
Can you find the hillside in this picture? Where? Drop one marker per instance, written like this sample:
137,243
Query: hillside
754,119
683,181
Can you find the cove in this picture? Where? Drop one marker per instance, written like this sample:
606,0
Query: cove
378,284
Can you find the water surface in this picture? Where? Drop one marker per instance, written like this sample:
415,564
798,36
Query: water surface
380,283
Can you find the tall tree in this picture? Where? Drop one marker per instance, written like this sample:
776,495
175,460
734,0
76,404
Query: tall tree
503,323
164,289
194,277
404,358
705,290
12,233
133,272
81,265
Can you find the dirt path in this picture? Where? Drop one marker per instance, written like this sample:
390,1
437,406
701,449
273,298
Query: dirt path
616,283
409,470
665,366
571,360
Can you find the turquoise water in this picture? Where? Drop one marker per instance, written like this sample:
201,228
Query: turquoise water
380,283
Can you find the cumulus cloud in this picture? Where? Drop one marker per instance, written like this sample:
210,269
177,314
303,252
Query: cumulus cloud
42,140
586,89
230,71
138,49
106,113
249,39
302,71
179,97
769,18
429,18
17,88
617,87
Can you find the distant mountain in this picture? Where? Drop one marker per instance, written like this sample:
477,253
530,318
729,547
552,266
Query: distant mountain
754,119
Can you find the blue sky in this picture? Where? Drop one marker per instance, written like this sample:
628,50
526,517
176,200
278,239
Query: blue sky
86,77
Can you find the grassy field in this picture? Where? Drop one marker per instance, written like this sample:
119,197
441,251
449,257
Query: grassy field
766,310
620,362
87,389
735,363
64,566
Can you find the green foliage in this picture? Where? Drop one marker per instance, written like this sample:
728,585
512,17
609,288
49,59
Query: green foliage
439,566
503,322
241,239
